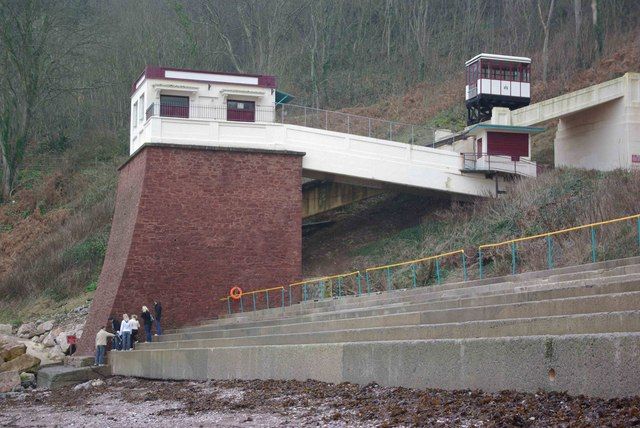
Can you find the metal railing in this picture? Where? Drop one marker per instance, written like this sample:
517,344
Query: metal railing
484,162
431,270
549,243
303,116
212,112
357,125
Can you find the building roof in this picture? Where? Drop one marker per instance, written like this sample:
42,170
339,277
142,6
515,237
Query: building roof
522,59
506,128
184,74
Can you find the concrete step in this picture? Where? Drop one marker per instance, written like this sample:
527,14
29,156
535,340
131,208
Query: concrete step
601,269
543,292
535,309
606,322
601,365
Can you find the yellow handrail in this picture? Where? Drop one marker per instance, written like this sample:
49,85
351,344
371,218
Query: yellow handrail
324,278
461,251
415,261
262,290
557,232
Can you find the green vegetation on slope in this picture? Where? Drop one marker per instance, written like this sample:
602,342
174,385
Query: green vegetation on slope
556,200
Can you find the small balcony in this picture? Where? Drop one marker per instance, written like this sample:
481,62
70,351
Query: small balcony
492,164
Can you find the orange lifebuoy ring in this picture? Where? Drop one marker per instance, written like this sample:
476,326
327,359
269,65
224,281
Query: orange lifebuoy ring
235,293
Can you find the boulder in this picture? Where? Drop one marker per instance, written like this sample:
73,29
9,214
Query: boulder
12,350
24,363
27,379
45,327
35,339
61,340
6,329
50,339
27,330
9,380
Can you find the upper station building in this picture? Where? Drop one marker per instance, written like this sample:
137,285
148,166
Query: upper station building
199,95
496,81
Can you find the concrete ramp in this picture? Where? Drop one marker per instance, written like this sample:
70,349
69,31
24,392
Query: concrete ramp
574,329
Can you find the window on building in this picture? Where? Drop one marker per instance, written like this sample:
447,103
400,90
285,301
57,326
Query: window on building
241,111
141,109
174,106
134,114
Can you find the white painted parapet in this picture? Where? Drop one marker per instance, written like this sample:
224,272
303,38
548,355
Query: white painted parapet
570,103
327,152
599,126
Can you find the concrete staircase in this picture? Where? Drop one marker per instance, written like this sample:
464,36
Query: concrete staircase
573,329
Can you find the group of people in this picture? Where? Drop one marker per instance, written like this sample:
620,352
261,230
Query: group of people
124,333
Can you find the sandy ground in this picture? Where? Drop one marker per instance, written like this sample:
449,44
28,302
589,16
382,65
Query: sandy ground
136,402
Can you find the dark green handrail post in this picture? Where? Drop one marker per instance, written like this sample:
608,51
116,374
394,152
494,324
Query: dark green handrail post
304,293
593,244
480,261
513,258
414,280
339,287
254,301
464,267
241,306
229,305
368,281
359,281
290,298
267,293
322,289
438,271
282,289
638,226
388,279
549,252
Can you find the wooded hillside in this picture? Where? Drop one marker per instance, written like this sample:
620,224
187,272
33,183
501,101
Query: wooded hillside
66,69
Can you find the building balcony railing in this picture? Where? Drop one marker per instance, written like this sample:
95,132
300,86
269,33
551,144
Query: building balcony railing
490,163
303,116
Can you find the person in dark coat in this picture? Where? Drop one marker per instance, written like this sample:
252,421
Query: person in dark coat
116,342
148,320
157,308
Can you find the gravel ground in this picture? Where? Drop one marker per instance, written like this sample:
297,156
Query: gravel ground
134,402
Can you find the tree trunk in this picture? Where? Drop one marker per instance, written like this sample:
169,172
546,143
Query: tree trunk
598,31
6,179
545,47
577,42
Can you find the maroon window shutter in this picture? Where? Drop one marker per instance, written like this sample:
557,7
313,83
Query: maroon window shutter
508,144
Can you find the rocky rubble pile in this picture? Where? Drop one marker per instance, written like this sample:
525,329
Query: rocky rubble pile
24,349
16,365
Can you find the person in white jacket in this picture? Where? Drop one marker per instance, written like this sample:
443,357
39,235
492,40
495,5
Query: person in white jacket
125,331
135,325
101,345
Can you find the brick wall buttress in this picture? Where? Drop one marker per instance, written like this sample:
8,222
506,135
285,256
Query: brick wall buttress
191,223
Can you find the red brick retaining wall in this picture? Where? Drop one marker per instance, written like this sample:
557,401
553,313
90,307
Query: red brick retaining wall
189,223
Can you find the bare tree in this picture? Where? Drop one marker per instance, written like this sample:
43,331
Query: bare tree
598,30
577,42
546,23
37,47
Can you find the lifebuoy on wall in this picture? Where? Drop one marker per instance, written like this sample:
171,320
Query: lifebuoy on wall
235,293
